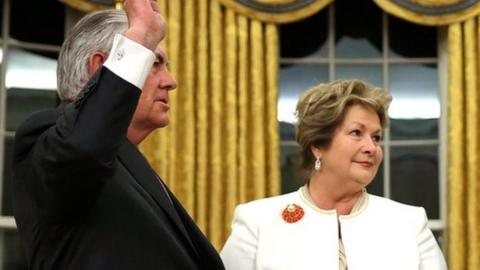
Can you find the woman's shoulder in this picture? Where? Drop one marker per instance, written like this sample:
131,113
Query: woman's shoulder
390,207
268,202
266,208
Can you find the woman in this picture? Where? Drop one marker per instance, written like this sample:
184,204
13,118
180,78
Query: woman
331,222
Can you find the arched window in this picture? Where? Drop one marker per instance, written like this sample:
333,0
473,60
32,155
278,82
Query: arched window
356,39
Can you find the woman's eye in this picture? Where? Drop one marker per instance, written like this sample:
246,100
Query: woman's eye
377,138
355,132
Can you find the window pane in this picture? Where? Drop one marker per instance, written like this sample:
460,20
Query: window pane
1,57
294,80
306,38
411,129
25,96
440,239
369,73
34,70
13,257
287,131
7,209
415,177
29,22
1,15
376,186
21,103
290,161
415,107
358,36
403,33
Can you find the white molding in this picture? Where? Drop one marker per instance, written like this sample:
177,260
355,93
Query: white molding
443,131
7,223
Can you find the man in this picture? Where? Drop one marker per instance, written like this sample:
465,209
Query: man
84,196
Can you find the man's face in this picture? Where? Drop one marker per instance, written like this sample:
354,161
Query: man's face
152,107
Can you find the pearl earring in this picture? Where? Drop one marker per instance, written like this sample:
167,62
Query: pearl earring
318,164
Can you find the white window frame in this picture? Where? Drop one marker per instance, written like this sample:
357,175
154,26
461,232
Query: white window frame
441,62
7,42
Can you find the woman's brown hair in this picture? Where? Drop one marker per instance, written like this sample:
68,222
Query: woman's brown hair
322,109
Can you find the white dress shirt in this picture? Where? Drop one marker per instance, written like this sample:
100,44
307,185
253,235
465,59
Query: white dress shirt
130,60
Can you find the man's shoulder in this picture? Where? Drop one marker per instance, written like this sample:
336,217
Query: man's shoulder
38,121
32,127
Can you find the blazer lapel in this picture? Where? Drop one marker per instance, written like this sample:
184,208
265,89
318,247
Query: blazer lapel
139,168
207,253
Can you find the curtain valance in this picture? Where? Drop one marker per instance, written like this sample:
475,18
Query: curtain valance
427,12
276,11
86,5
431,12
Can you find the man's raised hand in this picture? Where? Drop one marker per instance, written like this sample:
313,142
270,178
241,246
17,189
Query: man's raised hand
145,24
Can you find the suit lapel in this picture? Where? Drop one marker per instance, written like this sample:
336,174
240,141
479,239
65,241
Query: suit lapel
139,168
208,255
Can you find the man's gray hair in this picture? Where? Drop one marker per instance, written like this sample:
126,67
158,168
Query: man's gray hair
93,33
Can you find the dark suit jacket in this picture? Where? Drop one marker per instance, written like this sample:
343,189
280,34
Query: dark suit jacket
85,198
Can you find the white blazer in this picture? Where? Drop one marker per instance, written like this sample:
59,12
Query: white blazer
382,235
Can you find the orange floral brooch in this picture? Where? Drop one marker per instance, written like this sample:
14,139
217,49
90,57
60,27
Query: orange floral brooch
292,213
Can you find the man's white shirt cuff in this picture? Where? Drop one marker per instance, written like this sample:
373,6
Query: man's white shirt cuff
130,60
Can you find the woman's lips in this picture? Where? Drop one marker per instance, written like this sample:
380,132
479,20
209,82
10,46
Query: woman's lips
366,164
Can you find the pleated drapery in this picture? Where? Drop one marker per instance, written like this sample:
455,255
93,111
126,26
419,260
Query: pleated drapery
221,146
463,144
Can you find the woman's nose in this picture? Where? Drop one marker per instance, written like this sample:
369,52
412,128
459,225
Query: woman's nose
369,145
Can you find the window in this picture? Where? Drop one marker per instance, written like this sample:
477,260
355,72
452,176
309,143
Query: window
356,39
30,43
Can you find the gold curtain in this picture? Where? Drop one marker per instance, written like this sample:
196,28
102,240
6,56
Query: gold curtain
221,146
84,5
463,144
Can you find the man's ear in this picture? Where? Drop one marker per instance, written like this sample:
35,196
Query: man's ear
95,62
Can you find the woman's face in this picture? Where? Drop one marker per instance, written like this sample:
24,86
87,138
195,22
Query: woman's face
354,154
